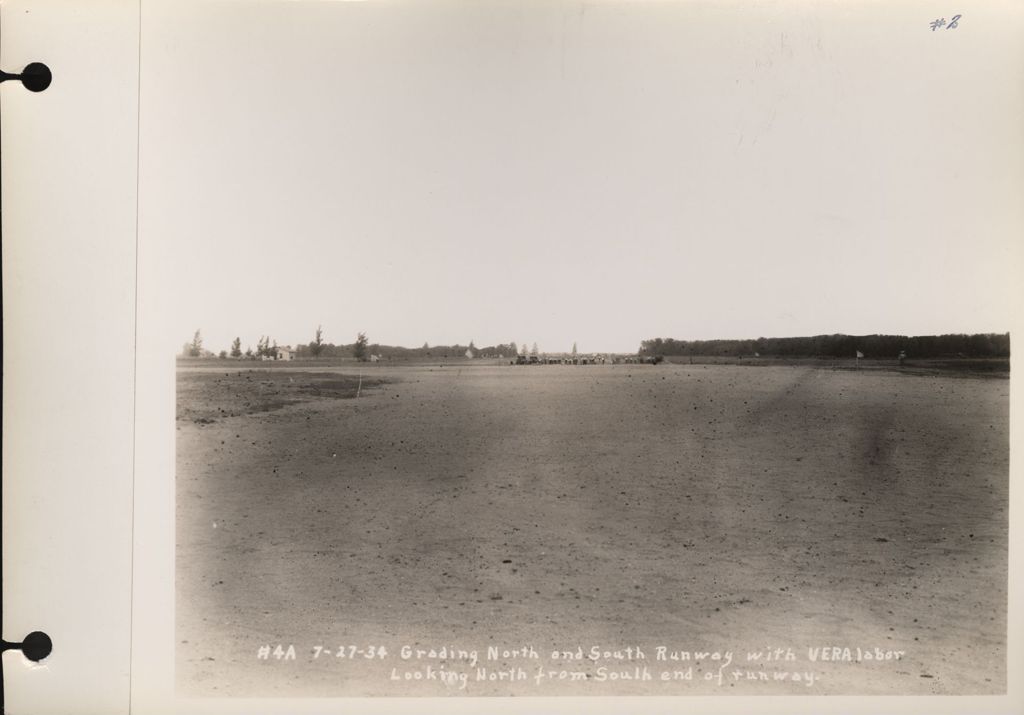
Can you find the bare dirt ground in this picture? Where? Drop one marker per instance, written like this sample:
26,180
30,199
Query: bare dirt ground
719,509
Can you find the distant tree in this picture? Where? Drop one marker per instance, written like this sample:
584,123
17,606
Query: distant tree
236,348
574,349
223,355
533,350
425,346
263,347
514,349
471,345
525,349
248,351
359,349
317,346
195,349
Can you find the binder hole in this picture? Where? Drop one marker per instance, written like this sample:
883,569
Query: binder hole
36,77
36,646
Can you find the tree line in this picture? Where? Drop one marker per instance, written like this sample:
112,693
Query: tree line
980,345
327,350
267,347
318,347
361,349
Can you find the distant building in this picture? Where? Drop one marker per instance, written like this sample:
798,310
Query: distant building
285,353
470,354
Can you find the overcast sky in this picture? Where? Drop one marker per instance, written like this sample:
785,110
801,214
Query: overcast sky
591,172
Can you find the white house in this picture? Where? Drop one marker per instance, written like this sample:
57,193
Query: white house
285,353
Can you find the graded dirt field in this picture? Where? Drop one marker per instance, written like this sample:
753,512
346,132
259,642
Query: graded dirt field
718,510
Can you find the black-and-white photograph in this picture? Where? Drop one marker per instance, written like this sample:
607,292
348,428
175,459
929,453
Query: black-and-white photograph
511,356
586,348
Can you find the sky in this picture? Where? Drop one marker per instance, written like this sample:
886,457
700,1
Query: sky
597,172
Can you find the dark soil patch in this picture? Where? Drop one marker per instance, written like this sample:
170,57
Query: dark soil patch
204,397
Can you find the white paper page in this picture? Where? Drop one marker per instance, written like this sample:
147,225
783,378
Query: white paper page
69,188
553,173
